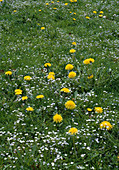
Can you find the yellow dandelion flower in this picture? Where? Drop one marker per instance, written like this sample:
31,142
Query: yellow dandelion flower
105,125
88,61
94,12
66,4
74,19
54,8
40,96
98,110
42,28
57,1
51,77
66,90
72,74
52,2
101,12
51,73
73,43
70,12
1,0
18,91
73,131
70,105
24,98
40,10
100,16
15,11
57,118
8,73
30,109
72,51
89,109
87,17
47,3
90,77
69,67
27,78
47,64
74,13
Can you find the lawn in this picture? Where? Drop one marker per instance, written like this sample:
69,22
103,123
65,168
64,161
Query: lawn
59,75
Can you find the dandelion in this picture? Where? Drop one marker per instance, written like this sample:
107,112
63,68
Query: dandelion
54,8
51,73
47,3
51,77
70,105
72,74
100,16
18,91
66,4
39,10
74,19
87,17
94,12
42,28
27,78
8,73
57,118
73,43
73,131
74,13
106,125
90,77
47,64
24,98
52,2
98,110
101,12
69,67
65,90
88,61
30,109
72,51
40,96
89,109
15,11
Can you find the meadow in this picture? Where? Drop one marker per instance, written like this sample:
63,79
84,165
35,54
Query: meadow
59,88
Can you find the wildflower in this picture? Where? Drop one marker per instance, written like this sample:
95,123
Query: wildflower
18,91
57,118
88,61
47,3
72,74
52,2
72,51
66,4
24,98
15,11
100,16
51,77
90,77
74,19
117,158
94,12
66,90
39,10
87,17
101,12
70,105
73,43
47,65
73,131
51,73
69,67
27,78
29,109
106,125
74,13
70,12
8,73
89,109
54,8
40,96
98,110
42,28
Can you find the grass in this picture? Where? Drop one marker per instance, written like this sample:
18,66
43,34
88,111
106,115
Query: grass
30,139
